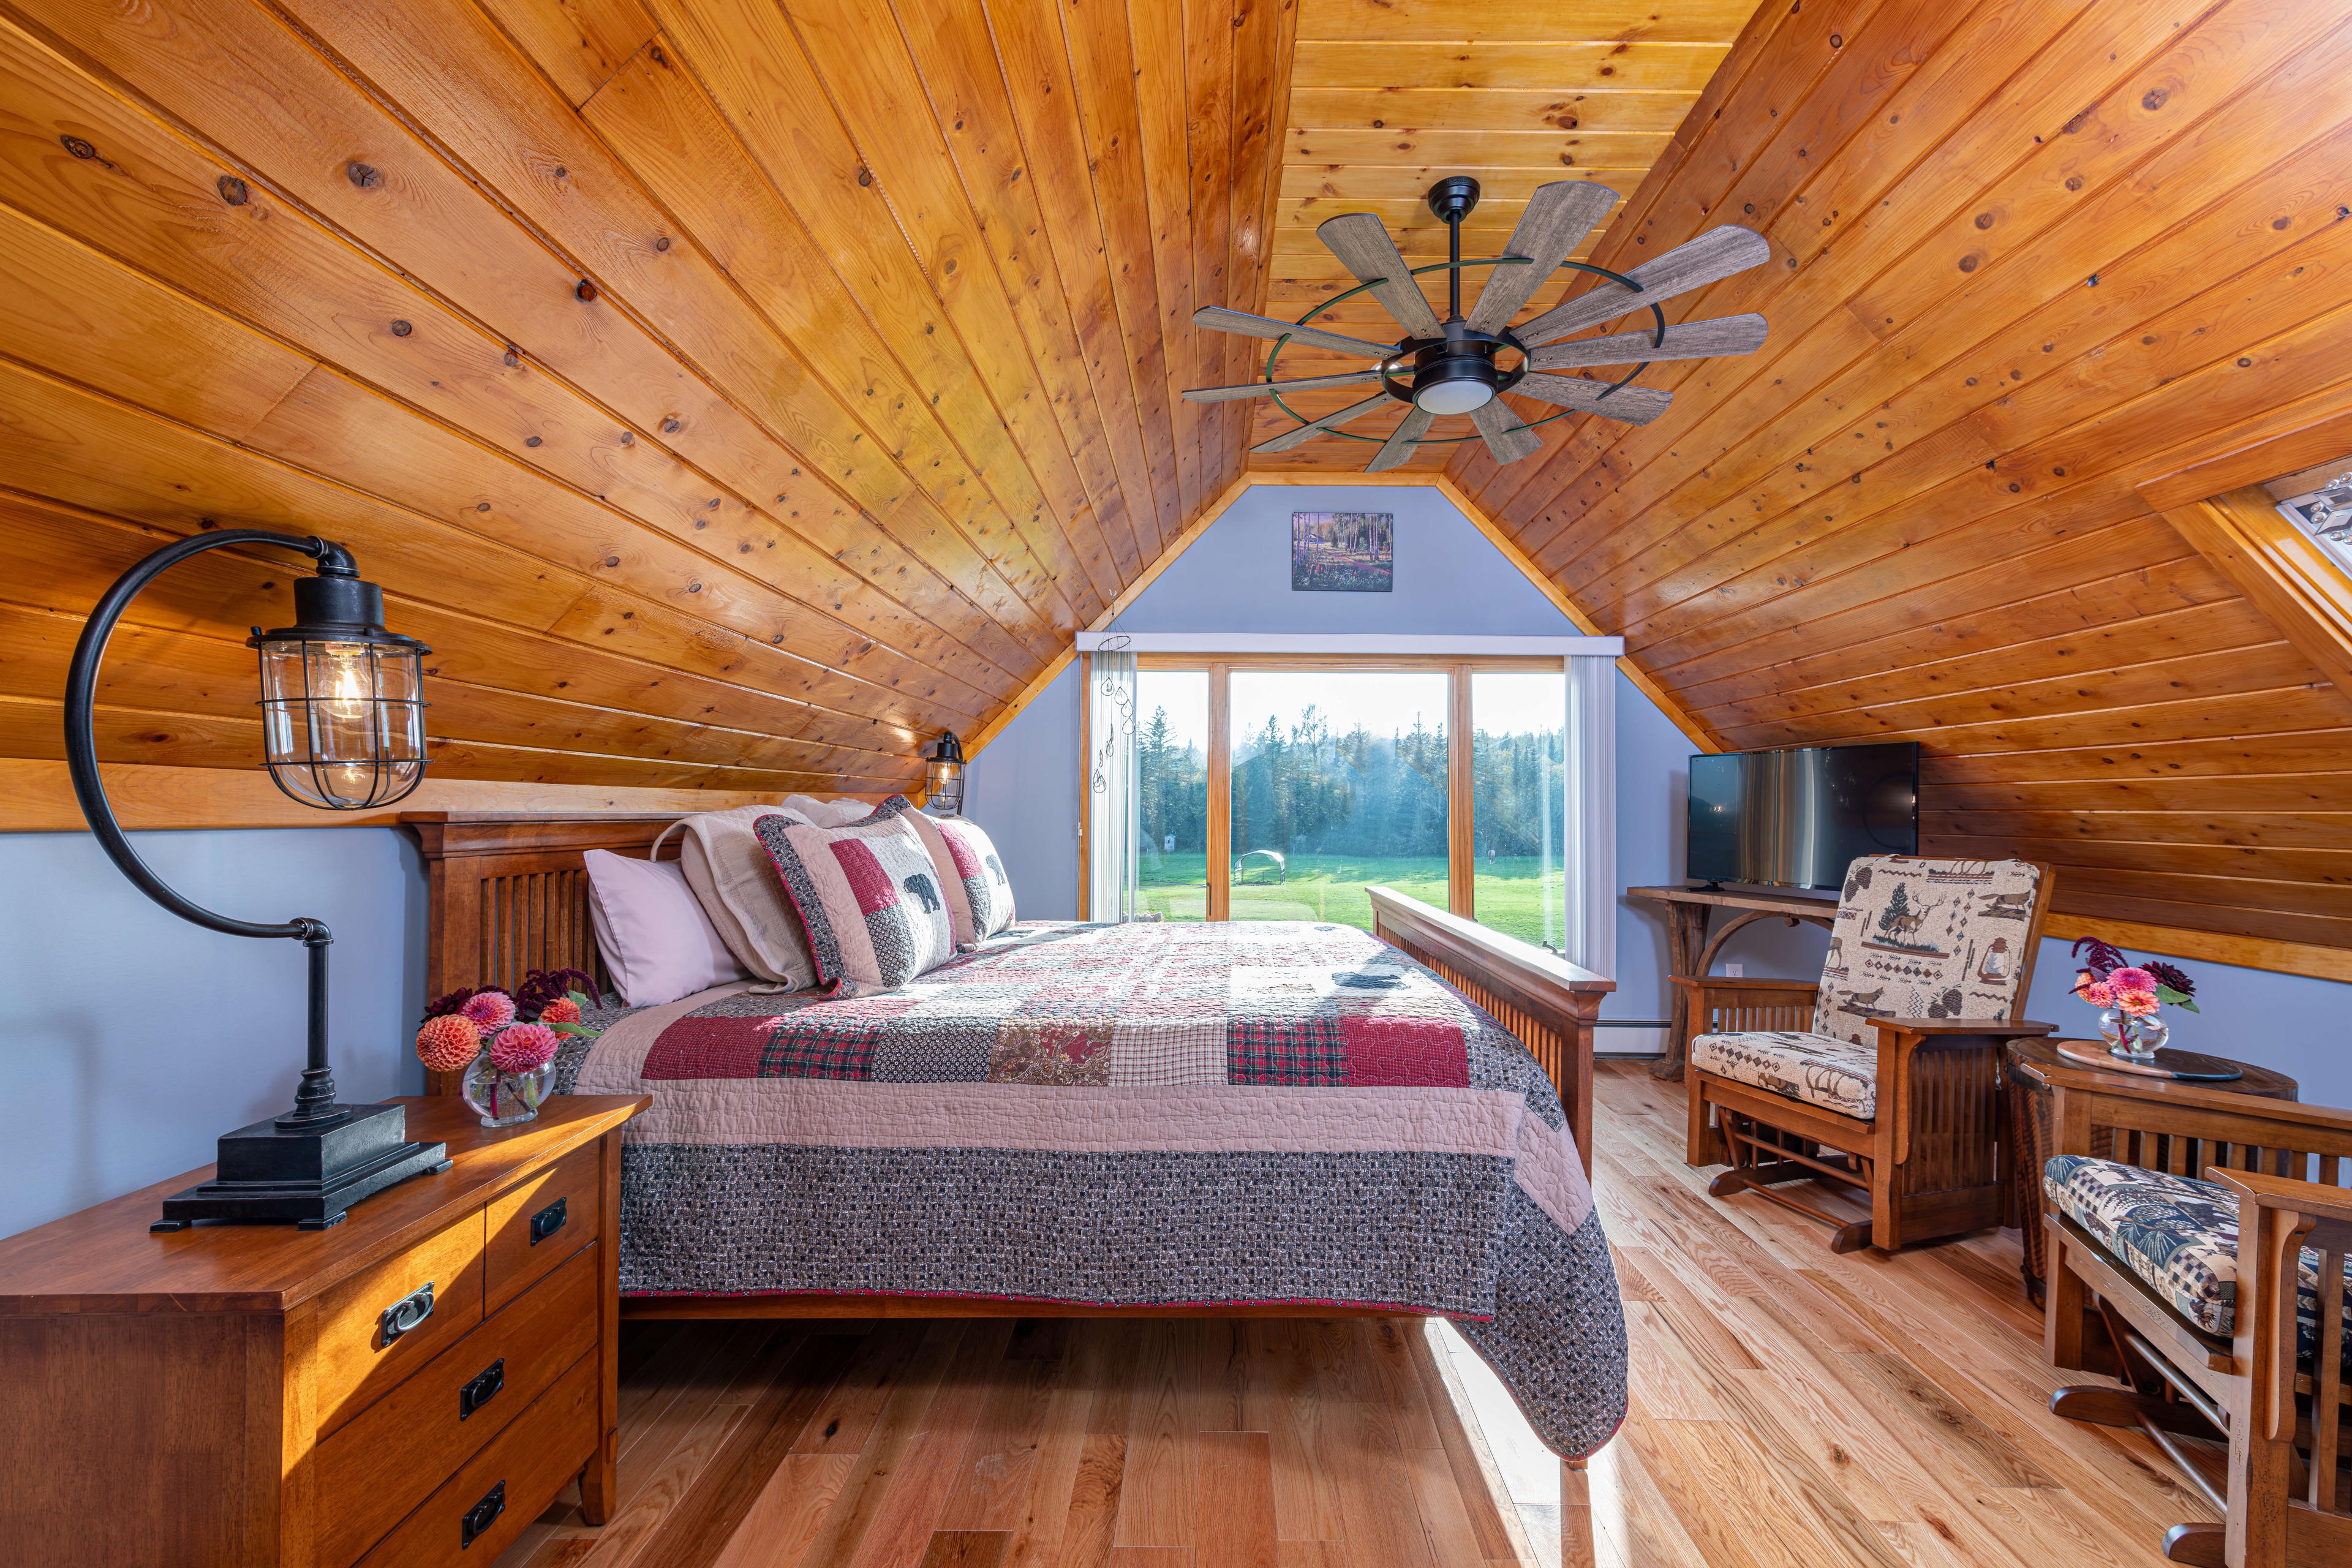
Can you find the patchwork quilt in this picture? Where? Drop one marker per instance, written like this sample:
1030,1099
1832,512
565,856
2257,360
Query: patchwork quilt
1138,1114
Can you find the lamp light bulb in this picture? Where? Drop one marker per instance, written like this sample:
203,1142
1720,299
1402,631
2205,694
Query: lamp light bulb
350,694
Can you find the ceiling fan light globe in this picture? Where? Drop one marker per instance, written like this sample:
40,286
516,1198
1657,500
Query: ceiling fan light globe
1453,396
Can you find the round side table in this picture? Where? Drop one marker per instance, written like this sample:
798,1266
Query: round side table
2028,1093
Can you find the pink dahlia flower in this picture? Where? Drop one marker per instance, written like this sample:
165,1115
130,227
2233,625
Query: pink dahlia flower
523,1047
562,1010
2137,1004
2131,980
448,1042
491,1009
2097,993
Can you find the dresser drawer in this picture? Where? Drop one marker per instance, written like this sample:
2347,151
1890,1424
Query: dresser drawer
506,1486
362,1348
385,1460
542,1222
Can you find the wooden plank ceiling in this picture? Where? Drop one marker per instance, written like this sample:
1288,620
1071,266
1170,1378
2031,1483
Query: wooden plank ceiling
735,392
734,395
2028,258
1386,97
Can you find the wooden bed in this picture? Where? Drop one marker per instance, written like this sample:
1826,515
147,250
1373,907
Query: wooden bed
508,893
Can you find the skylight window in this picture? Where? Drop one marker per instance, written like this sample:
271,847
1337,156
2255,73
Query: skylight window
2319,501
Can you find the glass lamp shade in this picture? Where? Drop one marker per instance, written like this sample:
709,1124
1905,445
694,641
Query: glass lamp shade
943,778
343,716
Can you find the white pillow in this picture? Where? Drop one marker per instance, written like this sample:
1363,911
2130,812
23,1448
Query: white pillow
657,941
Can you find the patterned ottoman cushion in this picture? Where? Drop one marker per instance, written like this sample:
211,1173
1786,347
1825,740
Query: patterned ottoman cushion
2178,1234
1818,1069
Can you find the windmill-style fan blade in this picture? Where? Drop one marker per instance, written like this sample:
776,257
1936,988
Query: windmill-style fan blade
1692,339
1633,405
1399,446
1555,221
1216,318
1362,242
1711,258
1506,434
1261,388
1307,432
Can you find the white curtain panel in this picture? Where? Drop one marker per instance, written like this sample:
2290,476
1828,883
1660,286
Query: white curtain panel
1110,784
1590,852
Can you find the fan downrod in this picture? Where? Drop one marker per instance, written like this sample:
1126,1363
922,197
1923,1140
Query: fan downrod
1455,373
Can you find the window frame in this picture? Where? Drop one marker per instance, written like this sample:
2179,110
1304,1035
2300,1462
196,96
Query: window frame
1460,795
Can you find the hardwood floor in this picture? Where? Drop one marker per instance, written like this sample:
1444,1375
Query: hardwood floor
1790,1408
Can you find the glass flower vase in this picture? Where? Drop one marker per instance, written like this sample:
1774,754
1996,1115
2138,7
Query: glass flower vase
502,1098
2133,1039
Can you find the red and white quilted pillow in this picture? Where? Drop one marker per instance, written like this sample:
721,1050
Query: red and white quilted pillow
869,898
979,899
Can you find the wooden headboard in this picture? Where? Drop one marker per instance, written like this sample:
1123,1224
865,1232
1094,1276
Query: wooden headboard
507,892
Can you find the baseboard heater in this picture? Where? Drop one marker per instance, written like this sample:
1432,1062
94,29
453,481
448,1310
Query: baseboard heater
1600,1055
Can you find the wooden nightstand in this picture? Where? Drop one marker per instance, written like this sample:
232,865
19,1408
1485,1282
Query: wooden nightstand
256,1395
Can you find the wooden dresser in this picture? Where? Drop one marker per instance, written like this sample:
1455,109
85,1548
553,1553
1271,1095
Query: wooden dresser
413,1387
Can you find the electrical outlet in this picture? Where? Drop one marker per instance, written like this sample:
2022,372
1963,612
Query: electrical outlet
1735,971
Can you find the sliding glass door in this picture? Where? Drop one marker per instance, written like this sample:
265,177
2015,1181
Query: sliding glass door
1280,791
1518,763
1338,781
1171,786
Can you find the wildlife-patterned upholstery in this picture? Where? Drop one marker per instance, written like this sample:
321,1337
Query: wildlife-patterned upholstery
1831,1073
2178,1234
1925,939
1913,939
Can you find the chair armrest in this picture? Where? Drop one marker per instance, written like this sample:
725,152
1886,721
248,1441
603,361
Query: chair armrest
2285,1193
2006,1028
1745,985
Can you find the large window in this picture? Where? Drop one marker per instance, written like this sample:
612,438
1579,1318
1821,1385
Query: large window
1171,787
1338,784
1281,789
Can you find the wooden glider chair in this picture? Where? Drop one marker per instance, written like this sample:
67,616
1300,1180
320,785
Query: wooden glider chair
1885,1076
2217,1320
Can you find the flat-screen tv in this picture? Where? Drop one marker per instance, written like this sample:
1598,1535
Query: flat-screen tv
1798,818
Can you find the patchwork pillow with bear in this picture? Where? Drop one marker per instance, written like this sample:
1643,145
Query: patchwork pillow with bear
868,896
980,897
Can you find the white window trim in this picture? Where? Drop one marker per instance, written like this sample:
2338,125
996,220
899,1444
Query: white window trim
1228,644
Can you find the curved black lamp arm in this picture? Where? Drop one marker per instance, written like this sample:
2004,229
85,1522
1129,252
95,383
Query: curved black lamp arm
314,1102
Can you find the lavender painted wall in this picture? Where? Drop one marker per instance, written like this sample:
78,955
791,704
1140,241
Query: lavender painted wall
132,1040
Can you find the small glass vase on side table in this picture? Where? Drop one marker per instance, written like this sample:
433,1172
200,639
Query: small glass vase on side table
503,1099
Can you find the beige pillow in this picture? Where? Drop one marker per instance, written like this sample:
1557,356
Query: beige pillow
731,876
828,813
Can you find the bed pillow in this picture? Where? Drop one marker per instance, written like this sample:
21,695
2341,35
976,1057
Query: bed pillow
731,876
979,899
828,813
657,944
868,897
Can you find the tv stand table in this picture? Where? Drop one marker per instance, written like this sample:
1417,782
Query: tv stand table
1690,951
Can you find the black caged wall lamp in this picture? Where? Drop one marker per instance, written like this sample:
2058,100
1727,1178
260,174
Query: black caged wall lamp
343,726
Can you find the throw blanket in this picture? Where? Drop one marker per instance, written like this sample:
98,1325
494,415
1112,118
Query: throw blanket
1129,1114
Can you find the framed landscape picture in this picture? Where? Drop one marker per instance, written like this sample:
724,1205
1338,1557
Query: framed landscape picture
1342,551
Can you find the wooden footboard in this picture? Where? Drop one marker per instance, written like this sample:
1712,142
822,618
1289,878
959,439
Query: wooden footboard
1549,1003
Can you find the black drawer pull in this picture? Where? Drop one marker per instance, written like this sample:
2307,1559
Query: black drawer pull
407,1313
482,1389
547,1222
481,1516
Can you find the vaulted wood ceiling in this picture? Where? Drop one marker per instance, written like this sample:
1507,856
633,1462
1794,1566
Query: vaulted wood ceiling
735,392
734,395
2031,258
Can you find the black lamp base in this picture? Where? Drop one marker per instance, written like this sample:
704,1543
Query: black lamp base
311,1176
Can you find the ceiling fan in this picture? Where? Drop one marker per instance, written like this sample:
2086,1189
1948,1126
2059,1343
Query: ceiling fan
1450,366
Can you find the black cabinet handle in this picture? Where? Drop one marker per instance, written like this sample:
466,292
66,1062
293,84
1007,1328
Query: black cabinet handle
479,1519
406,1314
482,1389
547,1222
